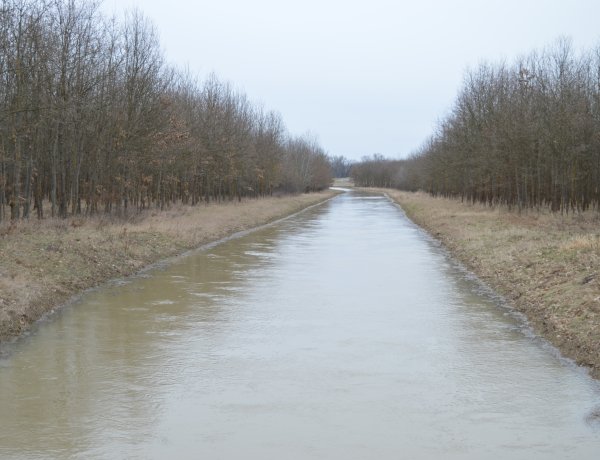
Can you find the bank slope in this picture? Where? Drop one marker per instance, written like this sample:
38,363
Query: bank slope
45,263
547,266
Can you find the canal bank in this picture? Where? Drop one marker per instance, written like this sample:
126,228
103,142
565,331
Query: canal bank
546,265
46,263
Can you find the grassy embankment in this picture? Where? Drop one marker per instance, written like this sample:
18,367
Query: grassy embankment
547,266
45,263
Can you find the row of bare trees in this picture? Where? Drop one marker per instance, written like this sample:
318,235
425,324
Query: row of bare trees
526,135
376,171
340,166
92,119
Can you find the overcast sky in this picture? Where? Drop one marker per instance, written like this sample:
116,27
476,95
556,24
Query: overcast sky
365,77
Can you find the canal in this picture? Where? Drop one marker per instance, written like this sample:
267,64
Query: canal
343,332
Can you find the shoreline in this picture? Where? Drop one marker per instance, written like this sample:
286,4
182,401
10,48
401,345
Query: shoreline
545,265
46,264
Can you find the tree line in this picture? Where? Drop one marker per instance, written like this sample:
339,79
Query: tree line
525,134
93,120
340,166
376,171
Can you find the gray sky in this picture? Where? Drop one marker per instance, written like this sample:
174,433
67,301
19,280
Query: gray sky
370,76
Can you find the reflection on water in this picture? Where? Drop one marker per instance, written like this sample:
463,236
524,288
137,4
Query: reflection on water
343,332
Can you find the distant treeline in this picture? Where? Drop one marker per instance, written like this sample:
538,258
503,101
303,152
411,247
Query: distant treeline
524,135
340,166
377,171
92,119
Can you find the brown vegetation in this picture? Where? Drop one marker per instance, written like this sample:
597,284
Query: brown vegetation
524,135
44,263
545,264
93,120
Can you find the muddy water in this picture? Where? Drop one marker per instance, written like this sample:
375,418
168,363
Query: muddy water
341,333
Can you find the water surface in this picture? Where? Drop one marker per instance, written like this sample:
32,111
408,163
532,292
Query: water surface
341,333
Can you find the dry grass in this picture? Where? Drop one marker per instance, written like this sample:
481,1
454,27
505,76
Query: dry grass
583,243
547,265
44,263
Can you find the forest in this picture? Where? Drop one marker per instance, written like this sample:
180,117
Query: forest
92,119
525,135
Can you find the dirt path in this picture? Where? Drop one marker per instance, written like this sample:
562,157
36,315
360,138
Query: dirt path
547,266
44,264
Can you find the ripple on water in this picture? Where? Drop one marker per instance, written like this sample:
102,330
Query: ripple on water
163,302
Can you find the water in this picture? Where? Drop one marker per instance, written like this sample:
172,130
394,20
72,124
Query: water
341,333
